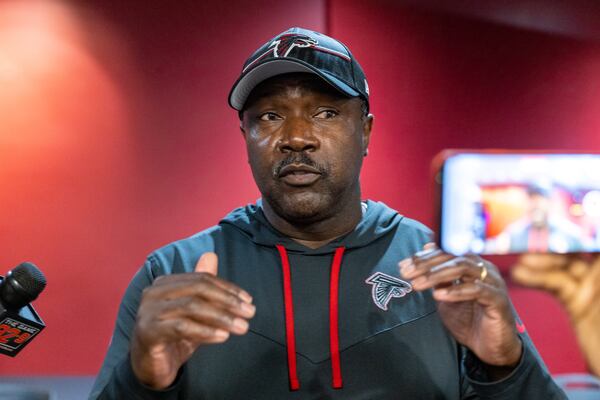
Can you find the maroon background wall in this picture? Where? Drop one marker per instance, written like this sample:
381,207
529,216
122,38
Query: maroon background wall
115,136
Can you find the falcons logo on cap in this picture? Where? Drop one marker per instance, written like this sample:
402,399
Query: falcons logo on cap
385,287
285,43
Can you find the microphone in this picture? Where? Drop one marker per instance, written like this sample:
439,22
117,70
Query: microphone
19,323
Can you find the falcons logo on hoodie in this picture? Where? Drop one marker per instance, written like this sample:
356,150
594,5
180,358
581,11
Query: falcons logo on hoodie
385,287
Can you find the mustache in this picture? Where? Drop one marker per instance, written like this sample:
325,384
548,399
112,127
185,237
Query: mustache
299,158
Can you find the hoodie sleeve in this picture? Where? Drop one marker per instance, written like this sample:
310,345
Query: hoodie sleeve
116,379
529,380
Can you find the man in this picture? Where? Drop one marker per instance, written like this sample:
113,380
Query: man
300,296
540,230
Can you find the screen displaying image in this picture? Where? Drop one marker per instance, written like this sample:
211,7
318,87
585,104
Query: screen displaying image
516,203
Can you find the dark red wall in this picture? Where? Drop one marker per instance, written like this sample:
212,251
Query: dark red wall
440,81
116,138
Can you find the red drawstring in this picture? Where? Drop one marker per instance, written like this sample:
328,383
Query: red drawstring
289,319
334,343
334,340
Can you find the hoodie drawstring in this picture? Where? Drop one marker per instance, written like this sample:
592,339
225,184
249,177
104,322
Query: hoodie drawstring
334,343
290,336
334,340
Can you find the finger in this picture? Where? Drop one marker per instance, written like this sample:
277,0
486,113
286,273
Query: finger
447,273
189,279
427,248
544,261
208,263
408,264
430,246
205,288
205,314
420,265
430,250
191,331
559,282
469,291
595,263
492,273
579,268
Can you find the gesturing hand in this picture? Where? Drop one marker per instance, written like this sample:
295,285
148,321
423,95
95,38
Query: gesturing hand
180,312
472,302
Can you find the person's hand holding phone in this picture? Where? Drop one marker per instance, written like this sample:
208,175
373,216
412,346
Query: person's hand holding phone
575,281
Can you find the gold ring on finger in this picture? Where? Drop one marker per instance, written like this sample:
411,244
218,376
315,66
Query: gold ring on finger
484,271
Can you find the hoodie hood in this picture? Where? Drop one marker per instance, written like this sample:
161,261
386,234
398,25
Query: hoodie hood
377,220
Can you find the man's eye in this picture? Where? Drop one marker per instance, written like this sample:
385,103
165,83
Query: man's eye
327,114
269,116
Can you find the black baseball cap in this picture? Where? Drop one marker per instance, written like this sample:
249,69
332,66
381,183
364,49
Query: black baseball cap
301,50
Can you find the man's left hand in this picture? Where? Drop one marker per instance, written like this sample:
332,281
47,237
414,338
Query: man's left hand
472,301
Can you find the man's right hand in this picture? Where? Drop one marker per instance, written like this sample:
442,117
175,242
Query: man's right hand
180,312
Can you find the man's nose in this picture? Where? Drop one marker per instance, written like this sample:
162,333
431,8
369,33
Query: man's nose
298,136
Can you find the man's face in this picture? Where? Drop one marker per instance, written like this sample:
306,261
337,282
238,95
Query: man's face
539,207
305,144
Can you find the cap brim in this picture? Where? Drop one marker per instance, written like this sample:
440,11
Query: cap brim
278,66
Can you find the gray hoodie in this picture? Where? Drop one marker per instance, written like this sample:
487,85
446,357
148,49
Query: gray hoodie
337,322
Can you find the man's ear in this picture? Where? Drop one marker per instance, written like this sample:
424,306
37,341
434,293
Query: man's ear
366,132
242,129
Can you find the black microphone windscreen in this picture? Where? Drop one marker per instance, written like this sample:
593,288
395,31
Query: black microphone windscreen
21,285
31,279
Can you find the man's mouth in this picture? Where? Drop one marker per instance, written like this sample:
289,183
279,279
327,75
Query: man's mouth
299,174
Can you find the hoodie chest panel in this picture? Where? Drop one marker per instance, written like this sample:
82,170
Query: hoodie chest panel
360,317
310,288
258,270
386,366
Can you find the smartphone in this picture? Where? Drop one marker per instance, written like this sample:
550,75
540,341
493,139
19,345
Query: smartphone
505,202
